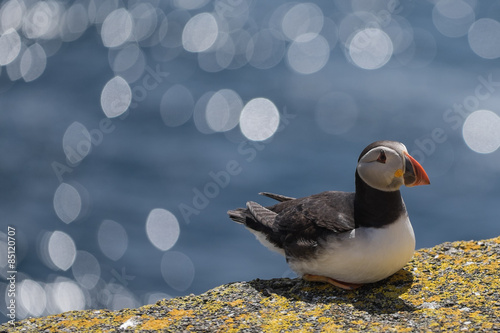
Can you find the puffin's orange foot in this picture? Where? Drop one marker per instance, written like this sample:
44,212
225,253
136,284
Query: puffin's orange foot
339,284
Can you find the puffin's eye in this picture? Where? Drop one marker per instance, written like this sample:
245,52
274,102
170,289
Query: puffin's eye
381,157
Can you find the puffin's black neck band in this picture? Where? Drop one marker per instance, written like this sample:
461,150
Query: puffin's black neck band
375,208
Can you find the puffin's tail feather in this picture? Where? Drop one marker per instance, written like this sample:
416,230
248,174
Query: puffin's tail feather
245,217
255,217
277,197
261,214
238,215
256,212
259,219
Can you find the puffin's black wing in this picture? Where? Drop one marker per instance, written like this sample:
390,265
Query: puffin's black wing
310,220
297,225
332,210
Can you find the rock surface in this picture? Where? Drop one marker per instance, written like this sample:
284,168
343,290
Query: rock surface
451,287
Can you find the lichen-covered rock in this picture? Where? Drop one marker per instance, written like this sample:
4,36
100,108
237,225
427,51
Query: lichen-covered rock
451,287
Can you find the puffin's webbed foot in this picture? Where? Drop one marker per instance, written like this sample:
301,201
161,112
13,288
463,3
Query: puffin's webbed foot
339,284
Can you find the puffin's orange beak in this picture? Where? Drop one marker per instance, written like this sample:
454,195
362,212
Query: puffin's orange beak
414,173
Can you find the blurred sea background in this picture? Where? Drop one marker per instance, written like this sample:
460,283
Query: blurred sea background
129,128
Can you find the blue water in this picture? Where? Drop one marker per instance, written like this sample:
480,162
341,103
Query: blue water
142,164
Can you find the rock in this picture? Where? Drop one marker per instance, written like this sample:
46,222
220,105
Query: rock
451,287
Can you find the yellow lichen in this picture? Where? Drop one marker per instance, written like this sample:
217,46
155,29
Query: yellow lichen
236,303
235,324
179,314
81,323
213,306
332,327
155,324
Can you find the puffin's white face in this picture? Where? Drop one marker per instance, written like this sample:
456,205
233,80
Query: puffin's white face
383,168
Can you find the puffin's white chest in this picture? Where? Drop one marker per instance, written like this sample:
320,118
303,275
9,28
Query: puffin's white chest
363,255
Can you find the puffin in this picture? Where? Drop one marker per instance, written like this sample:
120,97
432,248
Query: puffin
347,239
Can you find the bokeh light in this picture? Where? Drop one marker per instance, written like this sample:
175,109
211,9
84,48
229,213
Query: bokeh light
226,51
42,20
264,50
234,15
86,269
117,28
200,113
76,142
176,106
200,33
162,228
158,34
128,62
10,46
61,250
67,202
11,15
481,131
453,17
145,20
32,297
74,23
173,35
177,270
14,67
401,33
308,55
421,51
220,56
112,239
259,119
223,110
302,22
3,261
484,38
190,4
153,297
120,299
370,48
238,40
352,23
116,97
33,62
99,11
330,32
66,295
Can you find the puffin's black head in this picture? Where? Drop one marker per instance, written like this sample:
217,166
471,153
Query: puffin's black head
386,165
